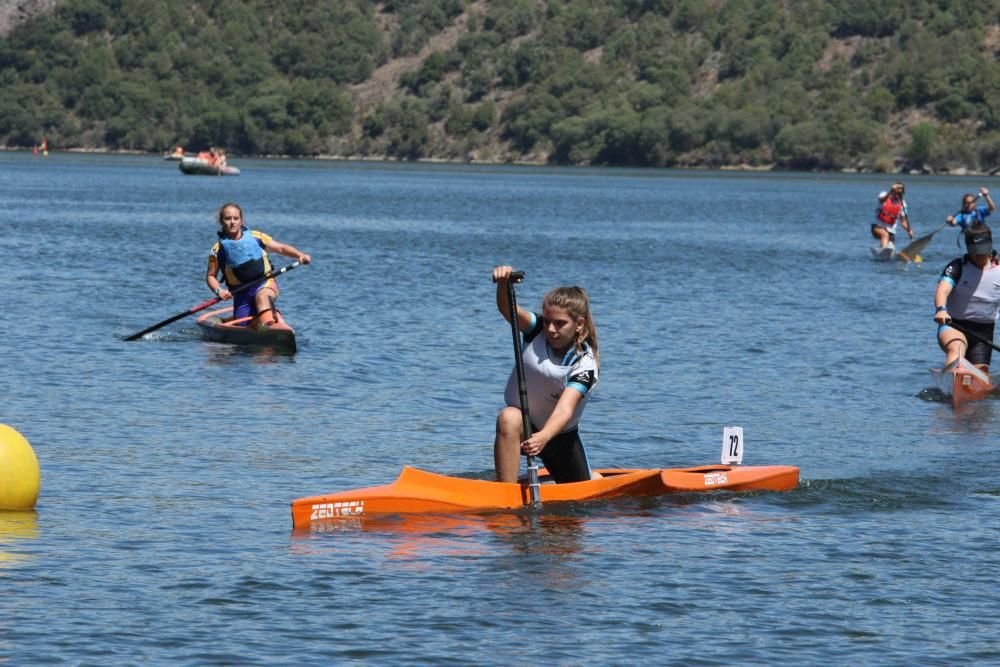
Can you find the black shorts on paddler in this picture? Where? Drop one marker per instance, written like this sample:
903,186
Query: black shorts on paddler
892,237
978,352
565,458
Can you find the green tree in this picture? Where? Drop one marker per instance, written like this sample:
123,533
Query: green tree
407,129
803,145
922,139
85,16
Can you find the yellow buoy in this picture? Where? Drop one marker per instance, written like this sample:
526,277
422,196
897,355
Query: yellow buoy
20,477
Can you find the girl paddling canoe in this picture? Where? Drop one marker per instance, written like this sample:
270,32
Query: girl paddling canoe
968,292
891,210
240,255
970,213
561,362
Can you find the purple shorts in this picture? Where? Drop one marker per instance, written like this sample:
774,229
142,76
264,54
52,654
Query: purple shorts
245,302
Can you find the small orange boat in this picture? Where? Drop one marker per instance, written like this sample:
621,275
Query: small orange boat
417,491
219,325
963,381
966,381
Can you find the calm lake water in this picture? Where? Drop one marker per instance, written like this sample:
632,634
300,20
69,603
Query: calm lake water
163,532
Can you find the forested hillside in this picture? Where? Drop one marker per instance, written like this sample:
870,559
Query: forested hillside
802,84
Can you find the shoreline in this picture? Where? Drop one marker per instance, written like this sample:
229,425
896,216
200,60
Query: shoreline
958,171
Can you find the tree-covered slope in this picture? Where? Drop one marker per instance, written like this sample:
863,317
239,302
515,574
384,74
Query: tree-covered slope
804,84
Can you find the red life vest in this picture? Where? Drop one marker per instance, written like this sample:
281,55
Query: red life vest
889,210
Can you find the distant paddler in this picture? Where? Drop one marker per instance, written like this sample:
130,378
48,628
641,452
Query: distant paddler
240,257
968,295
890,212
42,148
970,214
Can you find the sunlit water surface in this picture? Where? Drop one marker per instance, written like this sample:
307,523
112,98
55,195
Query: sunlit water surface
163,532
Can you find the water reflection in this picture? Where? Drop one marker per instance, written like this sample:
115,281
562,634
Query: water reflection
15,528
557,530
543,533
222,354
976,417
425,535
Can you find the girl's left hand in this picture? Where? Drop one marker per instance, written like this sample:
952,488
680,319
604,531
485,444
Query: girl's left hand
305,259
534,445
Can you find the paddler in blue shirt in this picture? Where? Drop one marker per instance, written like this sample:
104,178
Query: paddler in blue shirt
970,213
560,368
240,255
968,293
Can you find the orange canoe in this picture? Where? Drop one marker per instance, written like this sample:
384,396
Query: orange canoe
966,382
419,491
970,384
219,325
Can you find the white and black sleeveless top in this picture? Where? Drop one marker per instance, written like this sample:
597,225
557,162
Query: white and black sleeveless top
976,292
547,374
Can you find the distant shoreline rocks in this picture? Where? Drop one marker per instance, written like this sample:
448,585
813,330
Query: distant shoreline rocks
953,171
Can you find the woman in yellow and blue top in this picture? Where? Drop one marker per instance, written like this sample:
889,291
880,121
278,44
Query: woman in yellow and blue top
240,256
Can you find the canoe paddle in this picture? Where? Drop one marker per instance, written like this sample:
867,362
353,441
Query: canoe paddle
211,302
910,252
959,327
522,386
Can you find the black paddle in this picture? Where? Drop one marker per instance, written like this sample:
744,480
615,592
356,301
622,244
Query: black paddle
959,327
522,387
206,304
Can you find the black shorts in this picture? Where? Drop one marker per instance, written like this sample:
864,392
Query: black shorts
565,458
978,352
892,237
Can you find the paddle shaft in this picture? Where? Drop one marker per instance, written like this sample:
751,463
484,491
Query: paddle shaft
959,327
206,304
928,236
522,385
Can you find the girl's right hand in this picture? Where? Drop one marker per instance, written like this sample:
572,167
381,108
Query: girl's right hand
942,317
502,273
224,294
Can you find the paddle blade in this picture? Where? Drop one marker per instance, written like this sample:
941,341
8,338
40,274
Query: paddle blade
918,246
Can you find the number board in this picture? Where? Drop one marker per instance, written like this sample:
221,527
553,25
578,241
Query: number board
732,445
